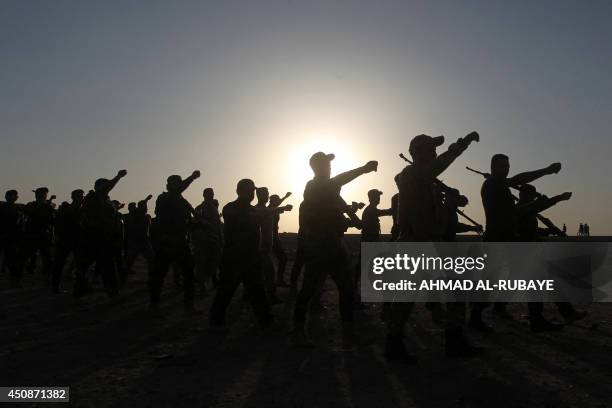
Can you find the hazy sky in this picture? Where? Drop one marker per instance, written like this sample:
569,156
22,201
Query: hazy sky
253,88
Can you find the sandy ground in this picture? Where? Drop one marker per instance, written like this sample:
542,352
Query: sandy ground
116,355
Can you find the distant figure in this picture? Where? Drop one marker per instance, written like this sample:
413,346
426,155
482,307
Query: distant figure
40,216
11,236
564,229
207,241
68,234
587,230
174,217
277,246
242,261
137,223
266,226
581,230
323,223
99,229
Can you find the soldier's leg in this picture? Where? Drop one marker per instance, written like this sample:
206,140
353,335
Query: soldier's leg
131,253
229,279
253,280
281,257
83,260
314,270
106,261
61,254
13,257
185,262
44,248
341,272
157,274
395,315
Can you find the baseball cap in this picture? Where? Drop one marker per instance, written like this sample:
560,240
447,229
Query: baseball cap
320,157
421,141
246,185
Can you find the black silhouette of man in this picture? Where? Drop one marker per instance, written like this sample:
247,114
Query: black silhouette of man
39,229
97,245
174,216
67,234
322,225
11,236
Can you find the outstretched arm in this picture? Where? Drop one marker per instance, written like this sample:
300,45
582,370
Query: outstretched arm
529,176
187,182
108,187
445,159
384,213
348,176
542,204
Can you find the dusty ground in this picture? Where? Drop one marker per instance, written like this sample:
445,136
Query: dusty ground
115,355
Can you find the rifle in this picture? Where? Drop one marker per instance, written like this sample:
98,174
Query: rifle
546,221
447,189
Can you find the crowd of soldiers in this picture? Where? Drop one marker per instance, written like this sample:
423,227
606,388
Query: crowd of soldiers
206,253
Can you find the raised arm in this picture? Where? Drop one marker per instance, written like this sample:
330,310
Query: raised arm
108,186
541,204
187,182
348,176
529,176
445,159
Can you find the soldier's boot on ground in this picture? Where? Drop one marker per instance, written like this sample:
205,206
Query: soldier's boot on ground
574,315
456,345
476,323
539,324
395,350
299,337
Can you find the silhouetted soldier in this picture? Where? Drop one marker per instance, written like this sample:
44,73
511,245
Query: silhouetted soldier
323,223
564,229
11,236
587,230
277,246
395,228
298,262
417,220
137,224
501,215
174,217
241,257
99,231
67,234
39,229
452,200
529,205
581,230
206,241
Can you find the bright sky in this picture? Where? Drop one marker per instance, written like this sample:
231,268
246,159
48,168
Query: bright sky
252,89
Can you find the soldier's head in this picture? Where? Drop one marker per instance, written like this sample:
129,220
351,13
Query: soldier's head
41,194
374,196
174,183
262,195
246,190
132,207
11,196
99,184
423,148
527,192
77,196
208,194
275,200
320,163
500,166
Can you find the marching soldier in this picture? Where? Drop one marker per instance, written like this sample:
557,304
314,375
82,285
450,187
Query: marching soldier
11,236
206,241
242,261
417,220
137,235
99,225
323,223
39,229
67,234
174,216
